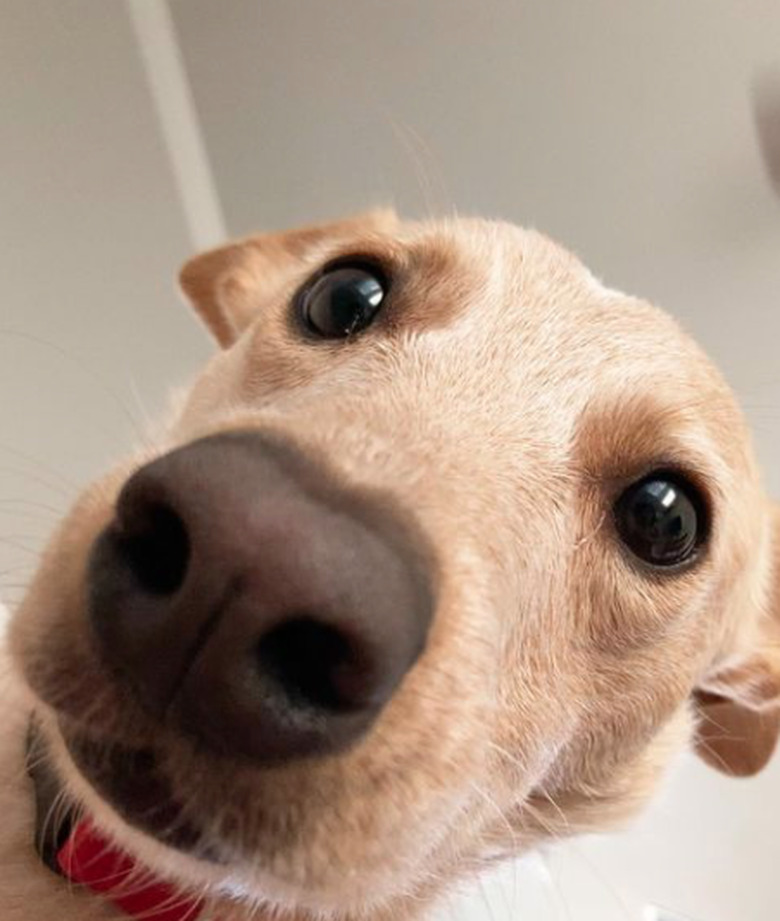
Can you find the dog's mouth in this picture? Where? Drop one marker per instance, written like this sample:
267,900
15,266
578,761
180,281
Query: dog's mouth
133,783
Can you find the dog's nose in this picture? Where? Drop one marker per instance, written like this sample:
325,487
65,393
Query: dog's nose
246,598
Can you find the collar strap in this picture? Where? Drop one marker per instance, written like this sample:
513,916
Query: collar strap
78,851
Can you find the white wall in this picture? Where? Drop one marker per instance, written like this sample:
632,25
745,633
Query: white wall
91,234
622,128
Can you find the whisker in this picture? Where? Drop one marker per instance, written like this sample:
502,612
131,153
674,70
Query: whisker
498,811
48,469
28,507
39,480
77,362
12,542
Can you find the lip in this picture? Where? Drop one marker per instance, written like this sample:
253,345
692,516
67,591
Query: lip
132,782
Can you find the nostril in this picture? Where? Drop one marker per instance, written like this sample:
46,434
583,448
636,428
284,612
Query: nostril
156,548
314,664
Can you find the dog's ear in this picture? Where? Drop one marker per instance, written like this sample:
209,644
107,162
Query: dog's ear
739,704
228,285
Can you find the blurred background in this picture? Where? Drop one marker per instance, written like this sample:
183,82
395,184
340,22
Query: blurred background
135,132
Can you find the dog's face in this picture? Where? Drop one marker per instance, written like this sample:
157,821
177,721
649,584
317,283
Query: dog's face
513,518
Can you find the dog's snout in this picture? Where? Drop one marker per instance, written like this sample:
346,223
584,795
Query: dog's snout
248,600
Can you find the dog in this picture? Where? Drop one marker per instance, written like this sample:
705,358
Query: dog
447,552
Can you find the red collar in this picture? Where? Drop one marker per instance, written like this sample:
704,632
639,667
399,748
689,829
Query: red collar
83,855
91,860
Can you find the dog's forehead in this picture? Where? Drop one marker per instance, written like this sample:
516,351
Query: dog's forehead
497,278
519,319
524,306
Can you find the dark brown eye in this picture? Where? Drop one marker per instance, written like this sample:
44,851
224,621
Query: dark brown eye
661,519
343,301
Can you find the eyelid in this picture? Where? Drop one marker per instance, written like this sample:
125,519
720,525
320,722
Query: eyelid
363,261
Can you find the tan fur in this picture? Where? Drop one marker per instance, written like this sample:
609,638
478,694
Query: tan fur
505,398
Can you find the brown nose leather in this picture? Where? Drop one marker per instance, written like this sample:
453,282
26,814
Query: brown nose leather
247,600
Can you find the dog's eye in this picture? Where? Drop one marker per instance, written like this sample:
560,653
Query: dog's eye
661,519
343,300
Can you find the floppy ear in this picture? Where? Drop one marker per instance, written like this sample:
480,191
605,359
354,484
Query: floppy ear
739,705
227,285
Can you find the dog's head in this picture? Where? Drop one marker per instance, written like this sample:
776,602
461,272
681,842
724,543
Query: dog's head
448,549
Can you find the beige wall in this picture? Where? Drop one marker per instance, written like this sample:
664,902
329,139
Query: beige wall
622,128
